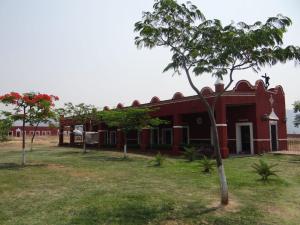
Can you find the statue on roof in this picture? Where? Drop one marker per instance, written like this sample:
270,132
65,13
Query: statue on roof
267,80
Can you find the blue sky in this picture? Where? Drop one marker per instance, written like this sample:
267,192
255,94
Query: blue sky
83,50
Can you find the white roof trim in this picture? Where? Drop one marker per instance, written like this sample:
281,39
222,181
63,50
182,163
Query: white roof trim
273,115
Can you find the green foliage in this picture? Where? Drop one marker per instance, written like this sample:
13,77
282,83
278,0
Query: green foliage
5,126
207,165
158,159
130,118
264,169
206,46
190,153
297,110
80,113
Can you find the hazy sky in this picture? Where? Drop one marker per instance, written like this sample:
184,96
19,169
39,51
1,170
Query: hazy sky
83,50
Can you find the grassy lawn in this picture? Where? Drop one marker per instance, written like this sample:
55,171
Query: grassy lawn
64,186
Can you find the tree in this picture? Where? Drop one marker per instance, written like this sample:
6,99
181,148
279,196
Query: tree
5,126
200,46
81,114
24,107
40,115
297,110
128,119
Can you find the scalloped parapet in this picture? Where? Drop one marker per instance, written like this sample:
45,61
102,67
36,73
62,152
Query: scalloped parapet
120,106
155,99
206,91
177,95
243,86
135,103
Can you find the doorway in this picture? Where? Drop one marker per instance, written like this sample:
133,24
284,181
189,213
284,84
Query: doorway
273,135
244,138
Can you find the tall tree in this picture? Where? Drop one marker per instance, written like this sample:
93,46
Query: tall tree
200,46
24,107
297,116
128,119
81,114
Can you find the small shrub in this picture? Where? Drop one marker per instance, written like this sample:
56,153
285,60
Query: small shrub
207,165
190,153
158,159
264,170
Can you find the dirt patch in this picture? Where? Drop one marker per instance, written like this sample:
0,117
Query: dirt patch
282,212
233,206
39,141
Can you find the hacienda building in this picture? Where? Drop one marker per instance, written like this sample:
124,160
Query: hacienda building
250,120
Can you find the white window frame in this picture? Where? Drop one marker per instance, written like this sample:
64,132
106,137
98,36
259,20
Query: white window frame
239,137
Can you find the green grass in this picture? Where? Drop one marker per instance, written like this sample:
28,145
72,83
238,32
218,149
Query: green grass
64,186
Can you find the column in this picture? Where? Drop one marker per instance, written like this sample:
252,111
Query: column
177,133
61,135
72,135
222,127
145,139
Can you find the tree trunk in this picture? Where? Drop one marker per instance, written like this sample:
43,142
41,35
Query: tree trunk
219,161
33,136
83,140
216,145
23,139
125,145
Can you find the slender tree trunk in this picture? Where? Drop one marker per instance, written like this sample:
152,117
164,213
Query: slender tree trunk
217,150
125,145
23,138
219,161
83,140
33,136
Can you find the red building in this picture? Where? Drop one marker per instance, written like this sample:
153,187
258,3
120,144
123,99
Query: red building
16,131
250,120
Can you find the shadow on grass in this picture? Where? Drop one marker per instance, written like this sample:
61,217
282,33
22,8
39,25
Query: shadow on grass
137,213
15,166
107,158
125,213
70,153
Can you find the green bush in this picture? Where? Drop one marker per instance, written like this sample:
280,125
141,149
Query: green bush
158,159
5,126
264,170
190,153
207,165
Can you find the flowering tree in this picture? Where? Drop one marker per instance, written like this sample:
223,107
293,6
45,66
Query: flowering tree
25,108
40,115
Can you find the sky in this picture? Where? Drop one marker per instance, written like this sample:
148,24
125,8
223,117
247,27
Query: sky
83,50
